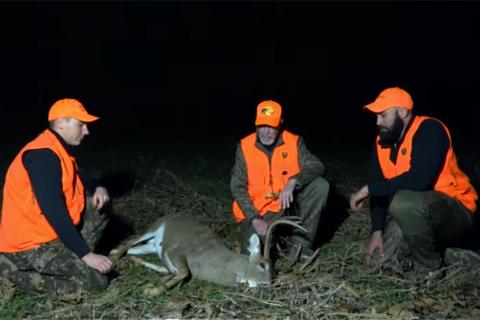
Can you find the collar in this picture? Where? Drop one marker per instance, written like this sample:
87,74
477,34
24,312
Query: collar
405,130
59,138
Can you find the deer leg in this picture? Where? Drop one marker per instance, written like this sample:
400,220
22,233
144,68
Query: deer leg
178,266
149,265
120,250
117,253
177,278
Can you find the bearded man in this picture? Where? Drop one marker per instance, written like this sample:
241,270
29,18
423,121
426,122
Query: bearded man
417,191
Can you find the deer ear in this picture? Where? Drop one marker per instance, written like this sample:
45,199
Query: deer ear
254,245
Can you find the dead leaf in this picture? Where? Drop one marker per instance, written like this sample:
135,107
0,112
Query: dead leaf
153,292
429,302
173,308
351,290
346,307
419,305
396,309
436,308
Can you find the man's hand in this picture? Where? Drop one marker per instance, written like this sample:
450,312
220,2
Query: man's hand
286,196
357,199
100,197
97,262
376,243
260,226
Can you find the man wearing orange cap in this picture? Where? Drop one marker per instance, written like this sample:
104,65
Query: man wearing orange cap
273,172
46,231
418,194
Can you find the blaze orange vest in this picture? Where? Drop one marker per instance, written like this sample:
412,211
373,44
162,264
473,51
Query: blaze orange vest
451,181
265,178
23,225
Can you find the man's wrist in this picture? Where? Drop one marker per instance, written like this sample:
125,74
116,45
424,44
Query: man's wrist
250,218
377,234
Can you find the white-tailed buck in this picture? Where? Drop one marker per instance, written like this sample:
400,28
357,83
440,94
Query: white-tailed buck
186,246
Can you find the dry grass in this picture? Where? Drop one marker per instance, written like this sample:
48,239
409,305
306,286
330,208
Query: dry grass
335,284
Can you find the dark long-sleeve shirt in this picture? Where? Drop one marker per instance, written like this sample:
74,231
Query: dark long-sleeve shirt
310,168
44,169
430,145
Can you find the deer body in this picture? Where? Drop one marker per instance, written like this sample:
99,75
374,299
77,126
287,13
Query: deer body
186,246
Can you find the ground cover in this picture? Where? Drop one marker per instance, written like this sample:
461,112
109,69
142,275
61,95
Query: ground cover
335,284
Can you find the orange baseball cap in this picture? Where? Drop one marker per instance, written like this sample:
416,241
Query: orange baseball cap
269,113
389,98
70,108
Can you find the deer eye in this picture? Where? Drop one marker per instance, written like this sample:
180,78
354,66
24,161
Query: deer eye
262,265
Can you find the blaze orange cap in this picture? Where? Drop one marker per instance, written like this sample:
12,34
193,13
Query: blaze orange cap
389,98
70,108
269,113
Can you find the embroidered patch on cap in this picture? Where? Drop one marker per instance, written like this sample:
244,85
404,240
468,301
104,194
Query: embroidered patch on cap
268,111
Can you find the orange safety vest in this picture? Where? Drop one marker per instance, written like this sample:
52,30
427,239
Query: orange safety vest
266,179
23,225
451,181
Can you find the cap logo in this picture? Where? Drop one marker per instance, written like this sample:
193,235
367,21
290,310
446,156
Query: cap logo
268,111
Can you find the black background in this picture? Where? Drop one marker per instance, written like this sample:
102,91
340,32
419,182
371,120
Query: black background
196,70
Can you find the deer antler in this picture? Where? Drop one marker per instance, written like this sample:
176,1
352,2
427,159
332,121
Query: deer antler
289,220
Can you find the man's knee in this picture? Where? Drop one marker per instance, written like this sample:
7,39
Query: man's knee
73,288
93,281
66,271
317,189
321,185
403,203
410,210
81,279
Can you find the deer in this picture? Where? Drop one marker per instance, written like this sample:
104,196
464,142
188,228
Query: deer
188,247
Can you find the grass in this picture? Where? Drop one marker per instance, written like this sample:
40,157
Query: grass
191,179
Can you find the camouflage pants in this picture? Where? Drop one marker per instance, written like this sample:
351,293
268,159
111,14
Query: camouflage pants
53,269
424,224
309,203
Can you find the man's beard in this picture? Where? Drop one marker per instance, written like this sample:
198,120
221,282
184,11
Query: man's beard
270,146
388,137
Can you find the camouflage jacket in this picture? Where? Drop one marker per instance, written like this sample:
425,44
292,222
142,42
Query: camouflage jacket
310,168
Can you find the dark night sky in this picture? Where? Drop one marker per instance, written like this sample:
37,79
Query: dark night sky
157,69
